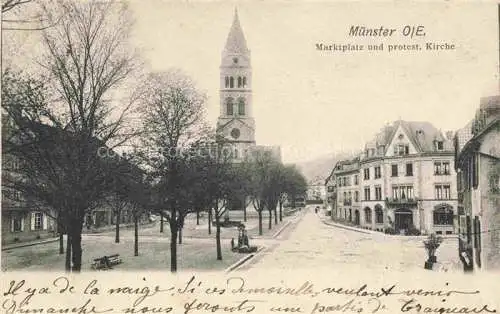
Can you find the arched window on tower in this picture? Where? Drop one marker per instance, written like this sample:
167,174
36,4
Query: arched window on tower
229,106
227,81
244,85
240,82
241,106
231,82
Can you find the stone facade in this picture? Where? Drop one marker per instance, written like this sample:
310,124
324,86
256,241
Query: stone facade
406,182
478,166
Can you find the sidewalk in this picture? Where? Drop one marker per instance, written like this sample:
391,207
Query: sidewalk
28,243
109,228
95,232
328,221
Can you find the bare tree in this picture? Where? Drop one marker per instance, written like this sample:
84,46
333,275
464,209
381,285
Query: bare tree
27,15
265,182
223,180
60,141
173,120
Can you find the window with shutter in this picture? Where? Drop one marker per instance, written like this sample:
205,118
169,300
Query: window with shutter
475,171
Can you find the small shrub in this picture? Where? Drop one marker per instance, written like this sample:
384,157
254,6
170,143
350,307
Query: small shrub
412,231
390,231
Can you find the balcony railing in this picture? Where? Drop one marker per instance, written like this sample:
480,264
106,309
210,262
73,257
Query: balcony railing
390,201
347,202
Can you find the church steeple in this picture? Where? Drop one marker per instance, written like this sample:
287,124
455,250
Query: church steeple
236,123
236,42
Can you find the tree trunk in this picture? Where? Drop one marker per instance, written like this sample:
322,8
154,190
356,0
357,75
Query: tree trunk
209,221
180,235
61,243
260,222
244,213
275,216
198,217
136,236
217,237
270,219
68,252
161,222
117,227
76,247
173,246
281,211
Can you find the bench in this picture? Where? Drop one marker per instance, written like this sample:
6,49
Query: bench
106,262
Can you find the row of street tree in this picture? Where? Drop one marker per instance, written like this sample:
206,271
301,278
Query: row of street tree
59,116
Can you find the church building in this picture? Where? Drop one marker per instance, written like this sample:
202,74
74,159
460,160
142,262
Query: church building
236,124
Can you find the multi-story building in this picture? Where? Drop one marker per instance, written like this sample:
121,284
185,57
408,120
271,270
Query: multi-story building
406,181
348,198
330,192
478,166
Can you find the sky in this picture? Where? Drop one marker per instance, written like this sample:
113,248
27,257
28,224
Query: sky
313,103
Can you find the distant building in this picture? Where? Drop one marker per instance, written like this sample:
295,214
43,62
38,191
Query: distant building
403,182
477,148
346,173
315,192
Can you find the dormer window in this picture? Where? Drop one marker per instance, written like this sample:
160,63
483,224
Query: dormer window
439,145
401,149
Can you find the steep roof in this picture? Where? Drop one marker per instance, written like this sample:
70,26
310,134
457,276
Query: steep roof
236,42
463,135
422,134
425,134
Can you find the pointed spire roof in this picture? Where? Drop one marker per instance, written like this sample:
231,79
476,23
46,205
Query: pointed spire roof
236,42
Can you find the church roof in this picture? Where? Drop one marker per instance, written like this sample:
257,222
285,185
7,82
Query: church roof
236,42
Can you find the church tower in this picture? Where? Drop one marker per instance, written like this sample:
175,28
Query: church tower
235,122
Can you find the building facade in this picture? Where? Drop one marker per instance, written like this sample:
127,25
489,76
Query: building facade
330,193
478,166
346,175
22,220
406,182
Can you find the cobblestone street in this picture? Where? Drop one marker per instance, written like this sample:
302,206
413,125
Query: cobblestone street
315,244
